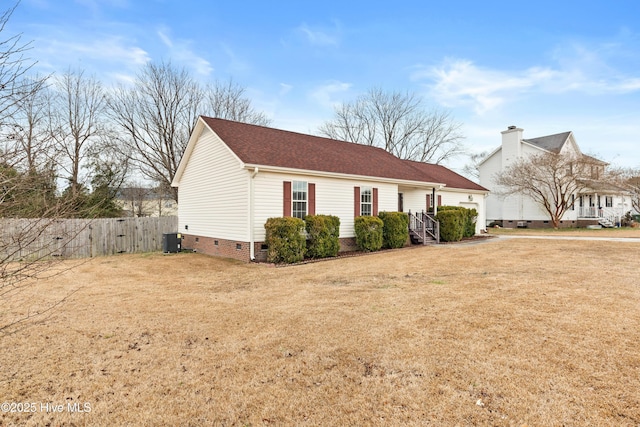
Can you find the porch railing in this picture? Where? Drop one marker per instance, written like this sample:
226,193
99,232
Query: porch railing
611,214
422,225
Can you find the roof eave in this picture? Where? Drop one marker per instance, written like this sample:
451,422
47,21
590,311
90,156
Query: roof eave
280,169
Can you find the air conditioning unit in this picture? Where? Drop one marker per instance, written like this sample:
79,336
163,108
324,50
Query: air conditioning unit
522,224
171,242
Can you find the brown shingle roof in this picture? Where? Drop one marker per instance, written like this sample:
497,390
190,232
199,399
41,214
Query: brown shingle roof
265,146
439,173
551,143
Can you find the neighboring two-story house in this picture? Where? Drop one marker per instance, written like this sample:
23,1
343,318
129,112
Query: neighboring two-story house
598,203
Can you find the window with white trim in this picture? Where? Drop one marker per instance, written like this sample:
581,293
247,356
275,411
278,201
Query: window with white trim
299,199
608,201
366,201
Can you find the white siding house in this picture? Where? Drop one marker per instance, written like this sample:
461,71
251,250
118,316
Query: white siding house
234,176
601,203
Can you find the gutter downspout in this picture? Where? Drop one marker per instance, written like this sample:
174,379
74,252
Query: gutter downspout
252,250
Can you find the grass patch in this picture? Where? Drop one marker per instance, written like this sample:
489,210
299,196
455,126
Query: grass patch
516,332
585,232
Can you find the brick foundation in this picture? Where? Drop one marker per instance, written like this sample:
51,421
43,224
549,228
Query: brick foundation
348,244
229,248
217,247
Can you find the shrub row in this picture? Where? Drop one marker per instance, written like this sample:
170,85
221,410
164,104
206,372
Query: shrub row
456,222
388,230
286,241
395,230
323,232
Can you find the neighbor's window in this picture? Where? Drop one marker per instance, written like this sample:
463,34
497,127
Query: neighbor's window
299,199
608,201
366,201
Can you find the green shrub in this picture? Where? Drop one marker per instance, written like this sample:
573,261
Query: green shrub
470,223
368,233
323,232
285,240
451,224
470,218
395,231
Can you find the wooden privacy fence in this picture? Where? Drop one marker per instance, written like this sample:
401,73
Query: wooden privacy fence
81,238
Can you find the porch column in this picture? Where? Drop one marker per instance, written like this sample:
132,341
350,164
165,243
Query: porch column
434,201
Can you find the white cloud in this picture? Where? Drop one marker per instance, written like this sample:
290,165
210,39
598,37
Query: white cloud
284,89
236,65
460,82
58,54
323,95
321,36
180,51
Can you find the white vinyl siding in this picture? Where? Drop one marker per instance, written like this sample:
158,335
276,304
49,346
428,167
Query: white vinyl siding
334,196
214,192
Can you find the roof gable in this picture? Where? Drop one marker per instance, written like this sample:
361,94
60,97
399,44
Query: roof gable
552,143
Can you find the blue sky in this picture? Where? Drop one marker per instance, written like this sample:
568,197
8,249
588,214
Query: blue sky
547,67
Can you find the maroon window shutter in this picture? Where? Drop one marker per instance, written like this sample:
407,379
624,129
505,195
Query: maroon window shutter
439,200
428,202
356,201
286,196
375,202
312,198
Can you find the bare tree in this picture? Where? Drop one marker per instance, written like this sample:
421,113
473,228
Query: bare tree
13,67
627,179
27,130
227,100
27,188
633,185
159,111
78,122
471,169
156,116
550,180
400,124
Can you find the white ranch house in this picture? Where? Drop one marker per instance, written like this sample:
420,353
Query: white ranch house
234,176
600,203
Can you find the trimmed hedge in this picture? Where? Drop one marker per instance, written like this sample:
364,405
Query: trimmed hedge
285,239
451,224
323,232
368,233
470,223
470,218
395,230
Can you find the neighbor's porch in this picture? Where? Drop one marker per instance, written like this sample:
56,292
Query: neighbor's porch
606,208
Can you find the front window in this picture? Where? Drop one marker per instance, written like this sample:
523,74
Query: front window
299,199
366,201
608,201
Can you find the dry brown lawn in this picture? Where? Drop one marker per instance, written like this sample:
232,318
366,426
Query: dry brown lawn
626,232
504,333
